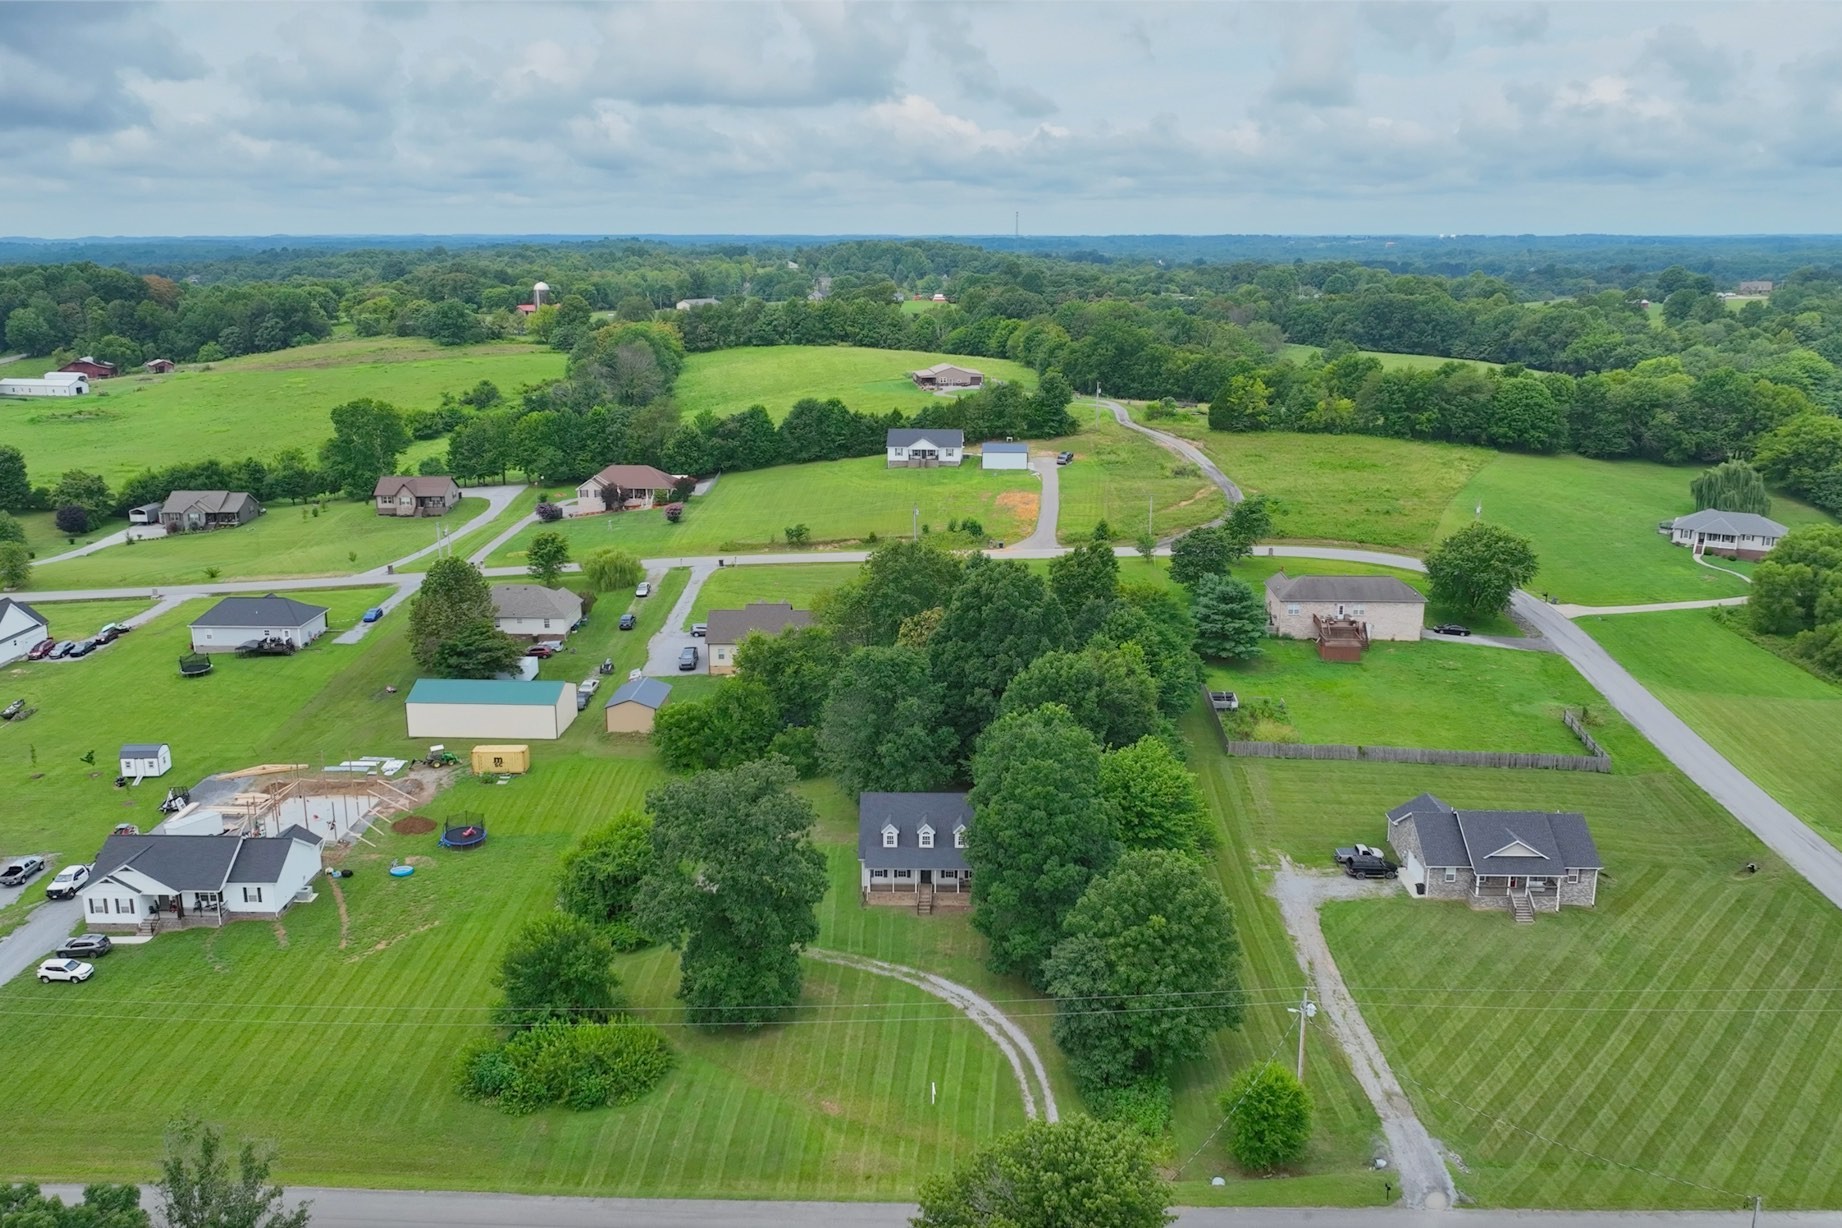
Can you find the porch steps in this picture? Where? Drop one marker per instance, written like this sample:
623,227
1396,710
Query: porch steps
924,900
1523,909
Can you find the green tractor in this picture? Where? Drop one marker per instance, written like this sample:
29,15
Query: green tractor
440,756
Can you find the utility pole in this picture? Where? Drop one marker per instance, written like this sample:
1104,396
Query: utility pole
1306,1009
1148,529
915,528
1757,1202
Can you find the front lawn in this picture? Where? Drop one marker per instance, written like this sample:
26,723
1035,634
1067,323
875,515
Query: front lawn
731,588
725,382
1119,475
286,540
839,502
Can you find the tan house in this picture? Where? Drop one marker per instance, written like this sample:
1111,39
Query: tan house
946,375
1339,609
1523,861
728,628
631,707
535,611
1755,287
628,486
419,496
188,510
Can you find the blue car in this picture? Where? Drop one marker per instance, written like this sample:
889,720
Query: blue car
374,613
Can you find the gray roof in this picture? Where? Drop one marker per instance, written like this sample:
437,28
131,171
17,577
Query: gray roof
259,612
1740,524
1442,843
12,603
994,448
180,863
210,501
419,486
767,617
1556,841
648,692
141,750
1368,590
260,860
1417,805
908,436
535,601
907,812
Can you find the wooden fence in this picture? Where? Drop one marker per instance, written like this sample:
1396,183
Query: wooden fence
1598,761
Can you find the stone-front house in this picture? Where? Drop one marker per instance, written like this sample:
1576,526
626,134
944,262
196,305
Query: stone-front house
923,448
911,848
1379,607
419,496
188,510
1526,861
946,374
1734,535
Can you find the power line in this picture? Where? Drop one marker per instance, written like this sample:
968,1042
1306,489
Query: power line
1228,1116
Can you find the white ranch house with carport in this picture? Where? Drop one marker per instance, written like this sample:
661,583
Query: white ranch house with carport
21,629
533,610
235,621
163,881
923,447
1005,455
497,710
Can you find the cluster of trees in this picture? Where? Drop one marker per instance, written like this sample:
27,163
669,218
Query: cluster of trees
1797,594
1804,456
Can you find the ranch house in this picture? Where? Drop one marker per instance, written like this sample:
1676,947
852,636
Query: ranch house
186,511
154,882
535,611
406,496
727,629
1522,861
924,448
623,486
1342,613
911,849
1734,535
236,621
946,375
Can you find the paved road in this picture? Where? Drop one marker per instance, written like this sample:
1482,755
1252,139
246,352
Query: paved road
672,638
1048,508
415,1209
1521,643
49,924
1583,611
498,498
140,532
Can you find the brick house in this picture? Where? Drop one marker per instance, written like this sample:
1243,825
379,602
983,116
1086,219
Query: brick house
947,375
186,511
418,496
1524,861
1342,611
623,486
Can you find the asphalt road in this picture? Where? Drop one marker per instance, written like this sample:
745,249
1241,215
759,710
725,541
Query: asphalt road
1049,507
49,924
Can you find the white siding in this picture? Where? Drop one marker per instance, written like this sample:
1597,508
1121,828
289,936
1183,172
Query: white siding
229,639
302,865
541,627
498,722
20,643
1005,460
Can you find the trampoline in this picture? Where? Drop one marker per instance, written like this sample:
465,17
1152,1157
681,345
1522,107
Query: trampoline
467,835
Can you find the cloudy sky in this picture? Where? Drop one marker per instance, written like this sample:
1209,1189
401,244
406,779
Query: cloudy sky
926,117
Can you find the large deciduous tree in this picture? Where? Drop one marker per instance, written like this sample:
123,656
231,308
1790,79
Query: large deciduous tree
734,726
899,580
477,650
600,877
797,668
1732,486
1039,834
1085,581
558,966
1051,1175
454,597
1230,618
884,725
15,565
1108,691
15,490
1001,618
103,1206
79,488
1477,568
607,569
369,436
1148,970
1201,552
1158,621
1152,799
735,886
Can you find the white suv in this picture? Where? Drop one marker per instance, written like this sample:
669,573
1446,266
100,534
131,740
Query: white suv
65,970
65,885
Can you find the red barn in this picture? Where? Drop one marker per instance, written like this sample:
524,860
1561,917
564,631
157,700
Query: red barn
90,367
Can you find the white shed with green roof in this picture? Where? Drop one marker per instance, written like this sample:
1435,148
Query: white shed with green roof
500,709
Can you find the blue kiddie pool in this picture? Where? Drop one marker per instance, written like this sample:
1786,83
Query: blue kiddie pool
402,871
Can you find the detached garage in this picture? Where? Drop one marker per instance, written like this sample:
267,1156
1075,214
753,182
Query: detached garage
1004,456
501,710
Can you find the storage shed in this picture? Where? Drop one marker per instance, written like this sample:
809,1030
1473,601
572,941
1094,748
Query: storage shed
630,709
491,708
1004,456
505,760
142,759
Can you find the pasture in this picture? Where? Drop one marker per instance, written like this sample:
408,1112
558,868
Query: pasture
725,382
840,502
1594,525
333,539
255,405
1598,1058
1777,723
1118,476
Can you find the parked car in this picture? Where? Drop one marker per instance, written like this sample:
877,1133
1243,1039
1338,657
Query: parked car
582,698
1370,867
20,871
85,648
41,650
86,946
110,632
700,630
589,685
644,590
1347,855
374,613
541,651
579,623
1451,629
65,970
1064,458
687,660
63,649
628,622
68,880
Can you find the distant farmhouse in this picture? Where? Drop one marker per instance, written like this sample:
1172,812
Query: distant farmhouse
158,366
1733,535
407,496
187,511
626,486
946,375
1342,613
685,304
54,384
1525,861
923,447
1755,287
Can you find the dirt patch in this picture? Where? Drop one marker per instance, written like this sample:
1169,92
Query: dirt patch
386,943
281,936
832,1108
1198,497
419,861
413,825
345,918
1021,503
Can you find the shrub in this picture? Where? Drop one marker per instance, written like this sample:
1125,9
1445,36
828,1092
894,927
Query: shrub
549,512
581,1065
970,527
72,518
589,598
1144,1107
798,534
799,745
1269,1117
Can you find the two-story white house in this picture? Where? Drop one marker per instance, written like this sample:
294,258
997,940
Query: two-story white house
924,447
911,849
159,881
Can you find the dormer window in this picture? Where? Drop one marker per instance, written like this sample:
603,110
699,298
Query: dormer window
889,835
959,836
927,836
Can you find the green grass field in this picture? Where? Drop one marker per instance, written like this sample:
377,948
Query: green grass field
1779,724
840,502
1594,525
725,382
78,620
1400,694
734,587
1302,354
255,405
286,540
1115,472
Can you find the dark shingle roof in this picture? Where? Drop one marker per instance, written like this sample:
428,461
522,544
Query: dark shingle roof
767,617
261,860
1417,805
1557,842
1363,589
648,692
180,863
535,601
907,812
259,612
1441,842
419,487
1739,524
141,750
1004,449
904,437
